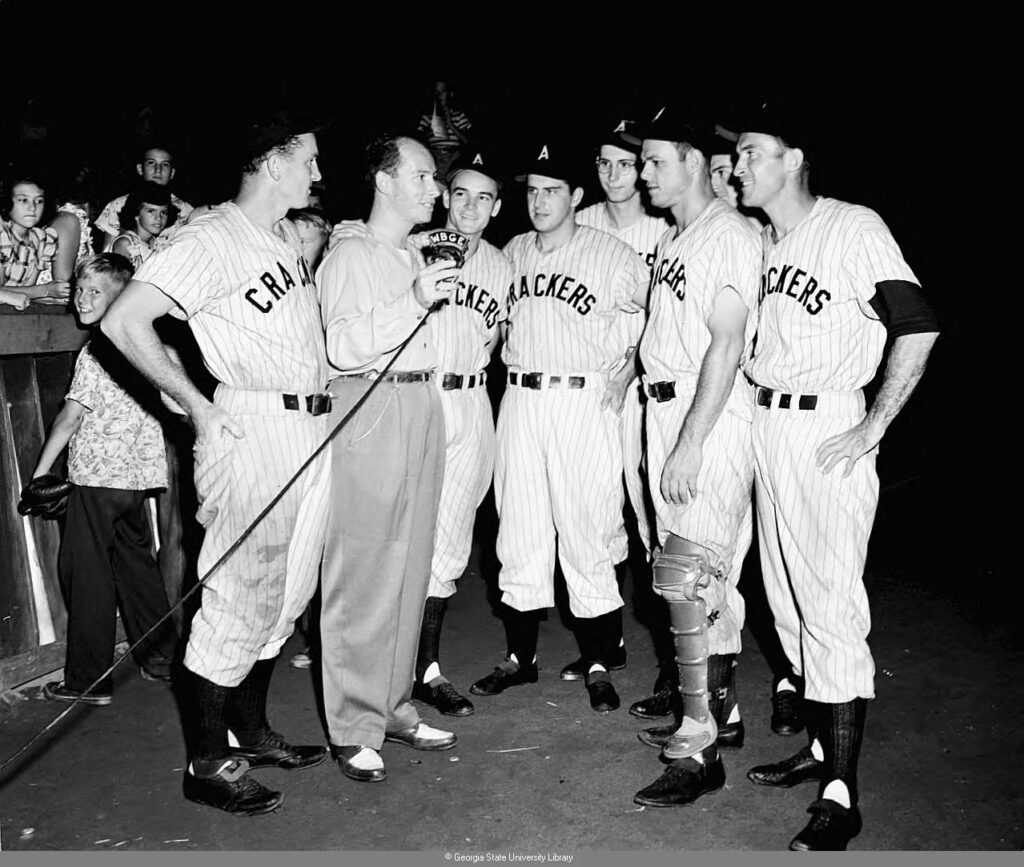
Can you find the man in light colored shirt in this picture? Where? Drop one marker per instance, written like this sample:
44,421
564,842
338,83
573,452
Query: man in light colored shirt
388,463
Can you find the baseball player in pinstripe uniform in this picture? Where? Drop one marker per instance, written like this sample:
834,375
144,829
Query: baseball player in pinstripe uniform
388,464
238,276
623,214
703,289
834,287
465,331
558,467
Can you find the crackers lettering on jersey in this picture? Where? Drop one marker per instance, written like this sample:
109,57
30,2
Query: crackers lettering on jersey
789,280
258,296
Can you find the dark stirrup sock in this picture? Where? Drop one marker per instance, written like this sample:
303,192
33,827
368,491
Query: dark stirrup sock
430,634
247,707
721,678
522,629
841,734
209,727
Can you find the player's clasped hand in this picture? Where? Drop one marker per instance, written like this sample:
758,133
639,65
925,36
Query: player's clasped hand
435,282
679,478
850,446
614,397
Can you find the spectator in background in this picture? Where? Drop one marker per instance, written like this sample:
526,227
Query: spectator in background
146,214
314,230
27,245
444,127
157,165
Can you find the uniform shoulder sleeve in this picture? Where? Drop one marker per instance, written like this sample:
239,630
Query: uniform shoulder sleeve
873,255
186,271
738,261
629,274
85,380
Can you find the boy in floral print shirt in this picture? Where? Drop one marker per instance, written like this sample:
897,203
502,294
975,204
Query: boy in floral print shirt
115,458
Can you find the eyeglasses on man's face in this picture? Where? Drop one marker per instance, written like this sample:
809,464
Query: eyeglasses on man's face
604,167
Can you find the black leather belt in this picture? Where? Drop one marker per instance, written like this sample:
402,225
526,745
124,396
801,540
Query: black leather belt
804,401
661,391
536,380
457,380
408,376
316,404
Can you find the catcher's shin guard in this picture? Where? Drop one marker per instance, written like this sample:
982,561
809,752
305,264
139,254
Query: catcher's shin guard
681,569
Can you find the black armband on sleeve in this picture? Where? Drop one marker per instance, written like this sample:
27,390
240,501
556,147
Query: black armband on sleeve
903,309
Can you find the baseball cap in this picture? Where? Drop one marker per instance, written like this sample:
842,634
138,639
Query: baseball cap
680,124
619,134
773,118
552,159
476,161
271,129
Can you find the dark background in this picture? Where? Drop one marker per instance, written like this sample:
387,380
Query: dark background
890,138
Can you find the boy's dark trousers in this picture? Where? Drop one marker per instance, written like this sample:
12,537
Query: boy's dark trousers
106,559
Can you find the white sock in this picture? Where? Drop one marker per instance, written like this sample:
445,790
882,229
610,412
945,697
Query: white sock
191,770
622,642
232,740
513,658
837,791
433,670
698,758
785,686
596,667
734,715
817,751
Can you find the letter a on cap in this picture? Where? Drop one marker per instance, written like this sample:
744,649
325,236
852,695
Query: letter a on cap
621,127
478,160
661,111
544,153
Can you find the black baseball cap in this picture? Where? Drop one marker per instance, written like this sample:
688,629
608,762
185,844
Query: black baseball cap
679,123
271,129
476,161
776,119
620,134
552,159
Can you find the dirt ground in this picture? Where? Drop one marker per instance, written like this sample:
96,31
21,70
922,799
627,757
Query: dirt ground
536,769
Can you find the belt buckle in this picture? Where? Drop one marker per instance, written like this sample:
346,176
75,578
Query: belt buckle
318,404
450,381
764,397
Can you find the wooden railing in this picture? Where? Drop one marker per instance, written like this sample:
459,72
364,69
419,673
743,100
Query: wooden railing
37,352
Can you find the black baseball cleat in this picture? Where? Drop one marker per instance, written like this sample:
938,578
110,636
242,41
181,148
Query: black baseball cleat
505,675
729,735
831,828
603,697
801,768
787,718
682,783
224,784
662,703
275,752
444,697
578,670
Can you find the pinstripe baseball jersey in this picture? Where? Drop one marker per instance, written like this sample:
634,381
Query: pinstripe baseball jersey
249,298
463,328
369,308
718,250
642,236
816,332
564,306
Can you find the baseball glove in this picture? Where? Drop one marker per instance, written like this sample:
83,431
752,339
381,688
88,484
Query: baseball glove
45,496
